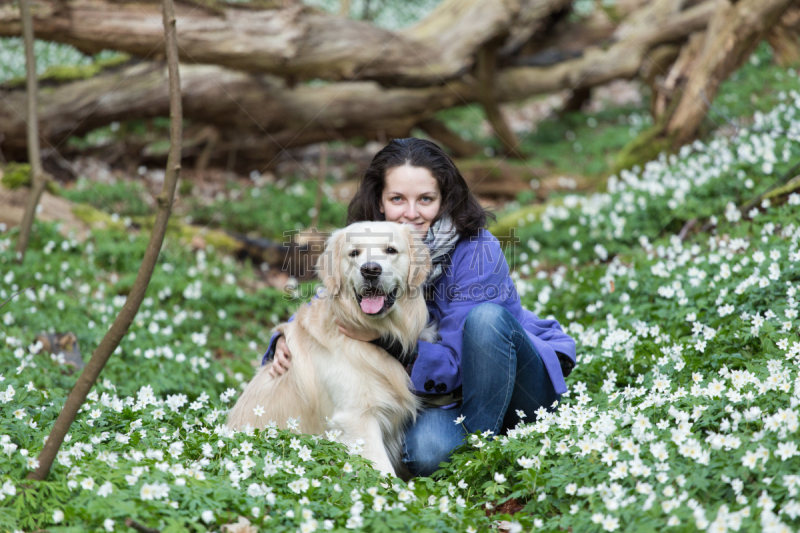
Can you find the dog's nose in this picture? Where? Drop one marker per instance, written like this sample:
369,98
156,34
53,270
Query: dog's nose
370,271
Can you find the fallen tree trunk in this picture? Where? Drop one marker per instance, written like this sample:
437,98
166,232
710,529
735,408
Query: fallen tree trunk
261,115
731,37
784,38
297,42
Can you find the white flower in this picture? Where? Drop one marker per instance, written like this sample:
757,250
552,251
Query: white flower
87,483
786,450
459,420
610,523
105,489
525,462
207,516
58,516
299,485
499,478
8,488
108,524
749,460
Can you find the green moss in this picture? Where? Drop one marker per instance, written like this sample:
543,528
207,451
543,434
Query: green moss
185,187
186,232
57,74
219,239
646,147
95,217
16,175
784,190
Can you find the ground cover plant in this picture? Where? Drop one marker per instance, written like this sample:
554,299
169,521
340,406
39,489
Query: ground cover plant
251,210
682,413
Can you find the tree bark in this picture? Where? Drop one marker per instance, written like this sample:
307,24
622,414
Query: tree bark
731,37
297,42
38,177
128,312
485,72
784,38
671,88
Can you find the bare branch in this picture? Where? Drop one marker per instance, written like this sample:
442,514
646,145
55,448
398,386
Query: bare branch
38,177
128,312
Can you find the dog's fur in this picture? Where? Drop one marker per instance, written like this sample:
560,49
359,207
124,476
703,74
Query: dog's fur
339,383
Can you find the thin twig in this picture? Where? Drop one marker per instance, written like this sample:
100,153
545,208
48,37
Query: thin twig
17,294
785,177
687,228
131,523
39,177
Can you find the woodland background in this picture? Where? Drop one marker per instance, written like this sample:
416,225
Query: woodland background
641,155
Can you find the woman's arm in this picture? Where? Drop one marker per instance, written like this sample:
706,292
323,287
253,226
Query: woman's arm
477,273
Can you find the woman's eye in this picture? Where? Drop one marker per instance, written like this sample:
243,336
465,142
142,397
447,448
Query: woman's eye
353,253
395,198
391,251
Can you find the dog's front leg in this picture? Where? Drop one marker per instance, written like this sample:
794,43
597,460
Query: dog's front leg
362,433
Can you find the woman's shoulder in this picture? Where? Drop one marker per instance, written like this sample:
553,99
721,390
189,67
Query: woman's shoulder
483,241
480,255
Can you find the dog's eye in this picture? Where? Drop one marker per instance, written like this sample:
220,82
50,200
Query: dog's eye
391,251
353,253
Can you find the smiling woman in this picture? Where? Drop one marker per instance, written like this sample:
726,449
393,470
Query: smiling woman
411,196
495,362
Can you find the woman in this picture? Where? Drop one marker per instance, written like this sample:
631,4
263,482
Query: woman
495,361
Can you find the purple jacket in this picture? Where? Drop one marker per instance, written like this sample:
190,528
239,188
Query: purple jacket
477,273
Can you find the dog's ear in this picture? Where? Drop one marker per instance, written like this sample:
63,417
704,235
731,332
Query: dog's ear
328,263
419,264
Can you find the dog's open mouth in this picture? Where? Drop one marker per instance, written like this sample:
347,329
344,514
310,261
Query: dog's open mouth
375,301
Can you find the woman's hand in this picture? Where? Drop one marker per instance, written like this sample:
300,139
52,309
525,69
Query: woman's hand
359,335
282,360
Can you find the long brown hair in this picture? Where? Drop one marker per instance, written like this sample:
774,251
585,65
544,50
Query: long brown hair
457,200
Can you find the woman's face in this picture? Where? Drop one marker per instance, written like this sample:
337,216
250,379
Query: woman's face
411,195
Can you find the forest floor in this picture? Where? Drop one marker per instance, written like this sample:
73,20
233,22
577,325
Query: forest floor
679,289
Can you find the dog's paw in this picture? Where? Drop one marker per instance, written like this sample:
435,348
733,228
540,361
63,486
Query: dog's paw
430,333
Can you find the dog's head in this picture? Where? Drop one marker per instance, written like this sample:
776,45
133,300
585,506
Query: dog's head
374,264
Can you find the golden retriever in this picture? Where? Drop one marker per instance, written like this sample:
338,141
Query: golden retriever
372,274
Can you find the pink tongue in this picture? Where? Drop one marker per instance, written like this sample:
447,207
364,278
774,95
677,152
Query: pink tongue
372,304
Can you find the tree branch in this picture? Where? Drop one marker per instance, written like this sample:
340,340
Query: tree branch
38,177
128,312
298,42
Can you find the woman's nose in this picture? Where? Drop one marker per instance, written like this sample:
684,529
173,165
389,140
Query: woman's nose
411,212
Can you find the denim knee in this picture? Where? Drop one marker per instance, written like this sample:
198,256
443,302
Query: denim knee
485,317
423,459
430,441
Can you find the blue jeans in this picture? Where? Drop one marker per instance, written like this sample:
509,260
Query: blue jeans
501,372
